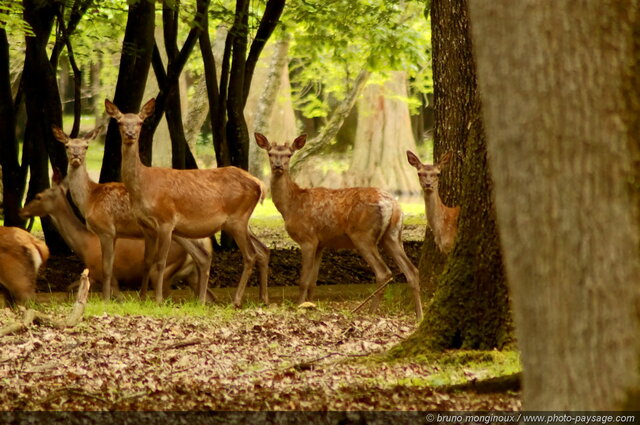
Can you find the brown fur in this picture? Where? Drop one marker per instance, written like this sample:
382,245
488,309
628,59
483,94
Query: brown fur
442,219
319,218
21,255
128,266
107,210
190,203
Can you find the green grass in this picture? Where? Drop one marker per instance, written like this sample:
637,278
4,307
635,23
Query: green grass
458,367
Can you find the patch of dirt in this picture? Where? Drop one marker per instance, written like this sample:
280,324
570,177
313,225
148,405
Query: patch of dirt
338,266
258,359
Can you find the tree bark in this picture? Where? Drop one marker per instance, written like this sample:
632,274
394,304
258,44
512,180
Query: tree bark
383,136
44,109
470,306
561,91
135,61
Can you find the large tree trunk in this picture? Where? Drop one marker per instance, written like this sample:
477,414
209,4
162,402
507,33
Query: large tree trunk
44,109
470,305
383,136
561,106
135,61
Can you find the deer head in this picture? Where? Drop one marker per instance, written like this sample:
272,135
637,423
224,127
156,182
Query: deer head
429,174
76,148
279,155
45,202
130,124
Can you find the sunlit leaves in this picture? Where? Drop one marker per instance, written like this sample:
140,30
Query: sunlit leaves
335,39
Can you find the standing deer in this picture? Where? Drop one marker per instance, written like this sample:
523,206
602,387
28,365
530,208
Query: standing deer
190,203
128,265
107,210
319,218
21,256
442,219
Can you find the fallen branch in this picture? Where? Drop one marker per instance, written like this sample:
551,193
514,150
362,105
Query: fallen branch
72,319
378,290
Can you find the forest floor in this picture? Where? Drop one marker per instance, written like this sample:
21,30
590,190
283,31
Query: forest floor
135,355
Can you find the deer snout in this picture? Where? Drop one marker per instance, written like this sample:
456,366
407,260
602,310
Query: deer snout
24,214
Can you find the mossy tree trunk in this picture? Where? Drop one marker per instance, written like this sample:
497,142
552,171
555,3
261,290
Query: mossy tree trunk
562,86
470,303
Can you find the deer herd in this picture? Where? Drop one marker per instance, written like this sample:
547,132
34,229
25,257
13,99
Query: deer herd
156,225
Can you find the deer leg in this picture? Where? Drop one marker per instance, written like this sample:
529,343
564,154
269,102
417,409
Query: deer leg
394,248
313,278
164,243
308,262
262,258
202,260
150,249
107,244
240,233
369,251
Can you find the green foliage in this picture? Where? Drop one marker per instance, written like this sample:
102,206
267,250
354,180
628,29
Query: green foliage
11,18
334,40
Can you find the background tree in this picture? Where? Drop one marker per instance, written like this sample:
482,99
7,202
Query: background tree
13,175
43,107
229,92
470,306
135,61
561,106
332,62
168,99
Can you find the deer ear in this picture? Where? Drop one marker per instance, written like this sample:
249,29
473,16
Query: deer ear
147,109
59,134
56,178
413,159
112,110
299,142
262,141
445,159
94,133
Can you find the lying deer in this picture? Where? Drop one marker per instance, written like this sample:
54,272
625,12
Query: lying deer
107,210
442,219
128,265
319,218
21,256
190,203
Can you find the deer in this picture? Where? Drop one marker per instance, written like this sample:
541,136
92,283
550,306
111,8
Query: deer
443,220
190,203
360,218
106,208
128,265
21,257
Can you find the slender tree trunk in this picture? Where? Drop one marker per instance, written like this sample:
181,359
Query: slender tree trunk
13,178
334,123
135,61
470,306
561,105
383,136
264,107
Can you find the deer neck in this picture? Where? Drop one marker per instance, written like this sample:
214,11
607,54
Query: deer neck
131,170
80,185
436,211
74,233
284,192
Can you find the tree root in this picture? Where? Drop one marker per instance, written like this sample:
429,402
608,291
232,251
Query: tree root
73,318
